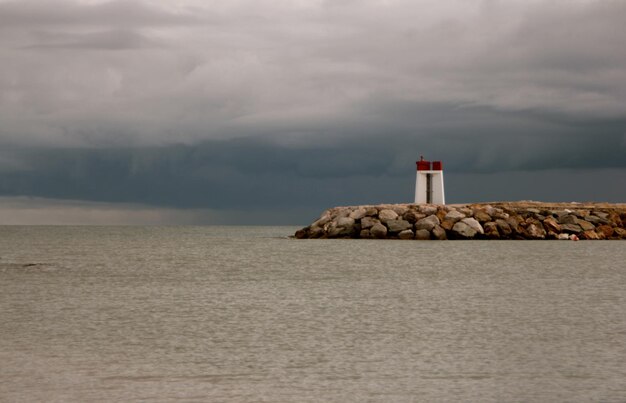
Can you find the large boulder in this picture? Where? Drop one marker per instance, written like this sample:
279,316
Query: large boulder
491,230
439,233
535,231
342,227
589,234
387,215
496,213
454,216
586,226
422,235
412,216
378,231
606,230
358,213
463,230
475,225
481,215
406,234
571,228
503,227
398,225
551,225
568,219
428,209
315,231
427,223
368,222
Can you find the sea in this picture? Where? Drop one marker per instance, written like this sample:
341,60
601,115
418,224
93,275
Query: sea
249,314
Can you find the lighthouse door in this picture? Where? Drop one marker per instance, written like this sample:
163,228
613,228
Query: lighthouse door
429,188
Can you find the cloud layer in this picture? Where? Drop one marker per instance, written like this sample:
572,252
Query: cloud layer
288,95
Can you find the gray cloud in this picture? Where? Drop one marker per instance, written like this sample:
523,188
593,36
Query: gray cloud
294,100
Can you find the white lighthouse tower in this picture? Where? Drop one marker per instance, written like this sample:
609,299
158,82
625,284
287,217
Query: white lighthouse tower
429,182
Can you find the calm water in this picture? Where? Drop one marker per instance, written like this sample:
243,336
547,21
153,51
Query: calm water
231,314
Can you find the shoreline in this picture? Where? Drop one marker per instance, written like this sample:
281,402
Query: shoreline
521,220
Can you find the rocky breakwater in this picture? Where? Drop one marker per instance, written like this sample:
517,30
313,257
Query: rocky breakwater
514,220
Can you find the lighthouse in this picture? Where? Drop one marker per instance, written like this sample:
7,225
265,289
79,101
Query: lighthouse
429,182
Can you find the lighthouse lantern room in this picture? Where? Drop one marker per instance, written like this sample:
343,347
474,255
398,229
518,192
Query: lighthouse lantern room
429,182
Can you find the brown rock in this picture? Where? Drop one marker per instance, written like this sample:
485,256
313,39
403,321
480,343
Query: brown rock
619,232
387,215
447,225
406,234
606,230
378,231
368,222
551,225
481,216
412,216
491,230
302,233
422,235
589,234
586,226
439,233
504,228
315,231
365,234
536,231
441,213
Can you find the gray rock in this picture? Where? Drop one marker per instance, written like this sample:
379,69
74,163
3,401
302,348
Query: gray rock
378,231
345,222
398,225
475,225
427,223
406,234
596,220
571,228
463,230
422,234
368,222
568,219
439,233
600,214
454,216
387,215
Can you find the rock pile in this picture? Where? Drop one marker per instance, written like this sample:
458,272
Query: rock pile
521,220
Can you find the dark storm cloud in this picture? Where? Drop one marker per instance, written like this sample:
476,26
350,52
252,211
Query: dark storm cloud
63,13
204,103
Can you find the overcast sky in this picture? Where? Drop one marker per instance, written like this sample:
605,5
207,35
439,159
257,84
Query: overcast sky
269,111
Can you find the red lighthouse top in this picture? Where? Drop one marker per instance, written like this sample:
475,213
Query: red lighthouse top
423,165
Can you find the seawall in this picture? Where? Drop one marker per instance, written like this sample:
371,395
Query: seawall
500,220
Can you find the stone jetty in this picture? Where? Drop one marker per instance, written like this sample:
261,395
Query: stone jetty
501,220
